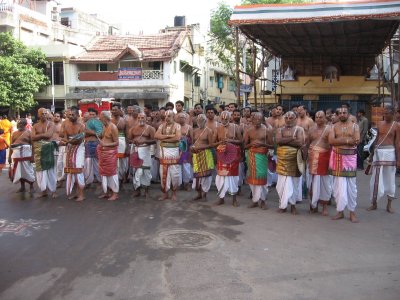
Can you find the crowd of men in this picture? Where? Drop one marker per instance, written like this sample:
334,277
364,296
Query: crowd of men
191,150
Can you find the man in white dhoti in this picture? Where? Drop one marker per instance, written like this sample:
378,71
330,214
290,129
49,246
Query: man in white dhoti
142,137
202,157
20,154
344,138
289,139
107,151
257,139
229,139
184,146
60,152
42,133
123,147
169,135
72,136
319,181
384,159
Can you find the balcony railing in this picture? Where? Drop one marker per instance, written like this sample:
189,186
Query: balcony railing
6,6
113,75
152,74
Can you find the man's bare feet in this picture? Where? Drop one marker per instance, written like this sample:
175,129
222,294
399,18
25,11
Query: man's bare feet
353,217
42,195
263,205
136,193
173,198
104,196
198,197
313,210
373,206
53,195
389,208
165,196
72,197
31,189
324,210
293,210
235,203
113,197
21,190
79,199
338,216
220,201
281,210
253,205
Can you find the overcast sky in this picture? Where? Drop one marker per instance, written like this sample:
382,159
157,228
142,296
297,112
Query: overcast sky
149,15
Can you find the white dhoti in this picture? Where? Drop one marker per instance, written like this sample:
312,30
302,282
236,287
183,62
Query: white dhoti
289,189
23,168
73,166
91,170
259,192
45,165
383,179
111,182
47,180
142,176
187,172
345,193
123,160
320,187
227,184
170,169
60,163
204,182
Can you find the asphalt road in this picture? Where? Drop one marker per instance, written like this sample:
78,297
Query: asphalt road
146,249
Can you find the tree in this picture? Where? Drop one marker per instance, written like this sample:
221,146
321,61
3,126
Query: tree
21,73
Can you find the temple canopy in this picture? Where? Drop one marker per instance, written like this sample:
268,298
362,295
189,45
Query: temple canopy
358,28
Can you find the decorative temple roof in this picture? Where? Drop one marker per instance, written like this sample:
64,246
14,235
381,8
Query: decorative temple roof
360,28
109,49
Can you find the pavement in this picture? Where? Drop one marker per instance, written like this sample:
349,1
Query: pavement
147,249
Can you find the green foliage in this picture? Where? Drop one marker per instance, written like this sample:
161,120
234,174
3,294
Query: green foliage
21,73
222,43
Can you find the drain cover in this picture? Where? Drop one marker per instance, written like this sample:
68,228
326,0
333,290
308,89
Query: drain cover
186,239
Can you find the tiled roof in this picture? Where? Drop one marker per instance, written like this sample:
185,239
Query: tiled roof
156,47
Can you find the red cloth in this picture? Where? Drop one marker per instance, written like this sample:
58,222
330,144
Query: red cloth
231,169
107,160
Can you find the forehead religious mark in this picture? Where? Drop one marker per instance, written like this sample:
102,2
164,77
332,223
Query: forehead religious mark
23,227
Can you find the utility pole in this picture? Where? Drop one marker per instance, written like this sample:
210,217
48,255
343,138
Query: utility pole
237,66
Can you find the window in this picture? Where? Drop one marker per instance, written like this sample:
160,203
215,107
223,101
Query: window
174,67
231,84
58,75
66,22
155,65
220,81
196,80
101,67
211,81
187,76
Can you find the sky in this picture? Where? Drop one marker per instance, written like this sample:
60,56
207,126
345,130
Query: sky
149,16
